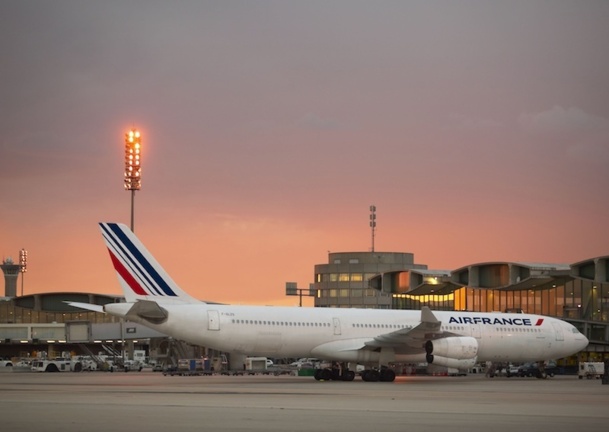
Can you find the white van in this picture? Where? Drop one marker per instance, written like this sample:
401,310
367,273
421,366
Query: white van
306,362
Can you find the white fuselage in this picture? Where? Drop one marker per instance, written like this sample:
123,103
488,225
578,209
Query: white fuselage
338,334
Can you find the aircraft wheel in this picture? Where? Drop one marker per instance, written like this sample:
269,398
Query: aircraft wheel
387,375
325,374
371,375
348,375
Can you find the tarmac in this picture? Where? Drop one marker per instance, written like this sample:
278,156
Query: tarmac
150,401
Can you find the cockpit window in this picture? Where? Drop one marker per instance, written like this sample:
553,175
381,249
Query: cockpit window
574,330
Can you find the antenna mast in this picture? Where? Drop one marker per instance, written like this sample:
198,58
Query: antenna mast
373,223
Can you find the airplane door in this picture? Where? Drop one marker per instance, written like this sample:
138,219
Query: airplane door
213,320
558,332
336,323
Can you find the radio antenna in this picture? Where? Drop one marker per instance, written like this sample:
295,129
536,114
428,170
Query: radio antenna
373,223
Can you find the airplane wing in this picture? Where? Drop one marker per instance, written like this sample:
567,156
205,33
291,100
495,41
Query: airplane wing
403,341
411,340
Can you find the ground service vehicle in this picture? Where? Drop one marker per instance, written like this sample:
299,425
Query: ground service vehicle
190,367
256,364
83,363
534,370
306,362
133,365
52,365
591,370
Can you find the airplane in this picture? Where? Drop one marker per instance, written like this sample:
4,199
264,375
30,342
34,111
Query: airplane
373,337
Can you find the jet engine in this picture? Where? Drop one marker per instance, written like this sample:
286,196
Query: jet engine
456,352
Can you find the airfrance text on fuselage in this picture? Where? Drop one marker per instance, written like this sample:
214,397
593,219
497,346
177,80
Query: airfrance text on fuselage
494,321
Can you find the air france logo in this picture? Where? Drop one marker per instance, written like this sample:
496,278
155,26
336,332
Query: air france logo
494,321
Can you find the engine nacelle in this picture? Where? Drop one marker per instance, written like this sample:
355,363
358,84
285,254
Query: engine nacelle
451,362
459,348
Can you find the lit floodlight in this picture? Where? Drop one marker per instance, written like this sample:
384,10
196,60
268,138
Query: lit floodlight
133,168
22,266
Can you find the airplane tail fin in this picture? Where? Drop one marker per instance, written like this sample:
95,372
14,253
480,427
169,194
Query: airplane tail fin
140,275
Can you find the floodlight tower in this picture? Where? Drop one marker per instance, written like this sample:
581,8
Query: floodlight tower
22,266
133,169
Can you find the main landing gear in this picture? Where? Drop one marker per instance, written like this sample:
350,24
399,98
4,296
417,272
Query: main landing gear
334,374
338,373
383,375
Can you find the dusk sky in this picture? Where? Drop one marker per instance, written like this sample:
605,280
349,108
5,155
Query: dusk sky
479,129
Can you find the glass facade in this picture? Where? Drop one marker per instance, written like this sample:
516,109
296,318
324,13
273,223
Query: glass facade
12,314
576,300
583,303
51,308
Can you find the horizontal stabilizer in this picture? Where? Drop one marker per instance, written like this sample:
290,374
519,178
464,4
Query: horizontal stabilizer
86,306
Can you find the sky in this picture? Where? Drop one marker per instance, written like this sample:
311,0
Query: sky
479,129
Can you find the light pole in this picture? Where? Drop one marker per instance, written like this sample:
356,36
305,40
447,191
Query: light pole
292,289
133,169
133,182
22,266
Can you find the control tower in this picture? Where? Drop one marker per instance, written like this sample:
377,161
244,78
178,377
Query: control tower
11,272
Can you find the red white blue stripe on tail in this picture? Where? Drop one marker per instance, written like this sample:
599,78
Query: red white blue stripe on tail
141,276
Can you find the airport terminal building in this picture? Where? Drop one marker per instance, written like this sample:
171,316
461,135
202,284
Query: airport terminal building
577,293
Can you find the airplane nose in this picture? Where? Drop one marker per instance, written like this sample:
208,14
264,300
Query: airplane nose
583,341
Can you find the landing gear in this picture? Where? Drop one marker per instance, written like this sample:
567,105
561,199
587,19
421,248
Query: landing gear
387,375
541,371
348,375
341,372
323,374
334,374
373,375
